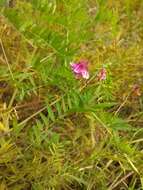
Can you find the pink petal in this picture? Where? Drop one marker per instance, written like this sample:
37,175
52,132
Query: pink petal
75,67
102,74
85,74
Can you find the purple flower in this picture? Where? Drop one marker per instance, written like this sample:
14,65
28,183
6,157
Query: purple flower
80,69
102,74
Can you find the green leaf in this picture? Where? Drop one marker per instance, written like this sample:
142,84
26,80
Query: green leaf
50,113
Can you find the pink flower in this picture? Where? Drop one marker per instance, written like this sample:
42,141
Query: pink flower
80,69
102,74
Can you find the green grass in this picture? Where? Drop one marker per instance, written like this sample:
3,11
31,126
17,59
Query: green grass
57,132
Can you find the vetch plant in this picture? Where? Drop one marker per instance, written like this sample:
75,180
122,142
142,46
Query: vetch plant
64,133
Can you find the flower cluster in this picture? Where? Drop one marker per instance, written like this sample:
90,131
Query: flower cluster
80,69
